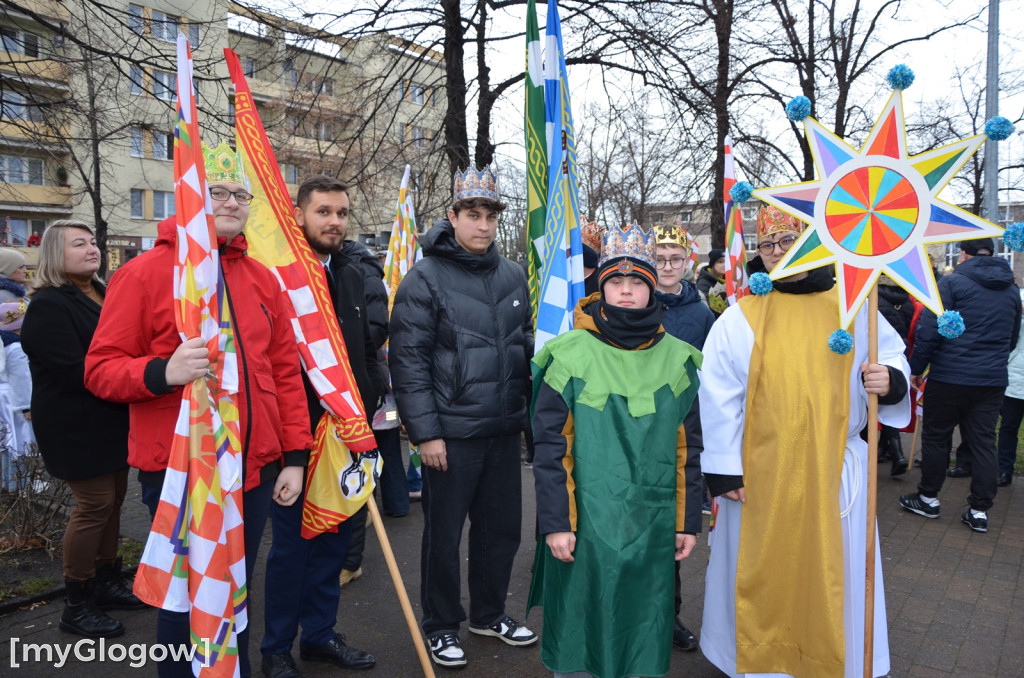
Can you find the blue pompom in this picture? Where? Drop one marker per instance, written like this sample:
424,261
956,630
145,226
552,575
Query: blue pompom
760,284
741,192
840,342
951,324
798,108
900,77
1013,236
998,128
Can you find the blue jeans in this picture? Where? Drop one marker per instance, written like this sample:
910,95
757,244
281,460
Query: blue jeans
302,582
414,479
172,627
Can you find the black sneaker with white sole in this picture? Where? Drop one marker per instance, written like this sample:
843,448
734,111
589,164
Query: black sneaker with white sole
976,520
508,630
914,504
446,650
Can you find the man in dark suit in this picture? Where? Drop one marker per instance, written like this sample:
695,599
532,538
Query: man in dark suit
302,574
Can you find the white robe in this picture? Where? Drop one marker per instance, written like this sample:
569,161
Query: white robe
723,390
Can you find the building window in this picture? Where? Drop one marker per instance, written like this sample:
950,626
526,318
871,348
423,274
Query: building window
135,77
163,204
750,241
135,19
291,173
16,170
249,68
164,26
293,78
20,42
14,106
193,35
136,145
418,180
419,137
686,217
433,97
418,94
401,90
231,112
136,209
164,85
325,131
163,146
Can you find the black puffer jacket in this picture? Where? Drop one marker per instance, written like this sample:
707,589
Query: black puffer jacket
686,316
895,306
982,290
461,342
373,287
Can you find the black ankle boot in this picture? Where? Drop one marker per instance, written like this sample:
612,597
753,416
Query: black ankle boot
112,593
899,460
82,617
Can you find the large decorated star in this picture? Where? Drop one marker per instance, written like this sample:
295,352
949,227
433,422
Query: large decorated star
873,211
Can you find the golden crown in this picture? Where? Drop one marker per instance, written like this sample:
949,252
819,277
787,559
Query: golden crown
474,183
771,220
591,234
672,235
224,164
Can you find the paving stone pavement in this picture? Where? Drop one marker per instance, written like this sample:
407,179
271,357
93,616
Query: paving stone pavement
955,599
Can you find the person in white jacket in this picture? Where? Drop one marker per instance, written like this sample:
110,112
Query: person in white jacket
15,393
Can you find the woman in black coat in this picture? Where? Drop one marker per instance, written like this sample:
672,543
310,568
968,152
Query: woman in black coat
82,439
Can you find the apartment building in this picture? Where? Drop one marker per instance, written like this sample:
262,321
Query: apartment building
88,111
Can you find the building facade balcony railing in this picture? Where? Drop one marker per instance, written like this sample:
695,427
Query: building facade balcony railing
39,72
53,9
26,134
32,196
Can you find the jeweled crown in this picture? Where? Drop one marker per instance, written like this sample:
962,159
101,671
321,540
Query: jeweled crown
474,183
224,164
632,242
591,233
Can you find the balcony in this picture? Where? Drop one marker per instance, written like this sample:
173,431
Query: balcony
31,198
23,134
46,72
54,9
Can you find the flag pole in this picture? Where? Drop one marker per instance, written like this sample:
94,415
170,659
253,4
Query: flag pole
403,596
872,509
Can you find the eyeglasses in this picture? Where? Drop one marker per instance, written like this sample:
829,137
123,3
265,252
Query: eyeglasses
674,262
783,243
222,194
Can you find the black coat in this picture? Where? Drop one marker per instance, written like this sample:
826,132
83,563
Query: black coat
350,308
461,341
982,290
79,435
373,287
895,306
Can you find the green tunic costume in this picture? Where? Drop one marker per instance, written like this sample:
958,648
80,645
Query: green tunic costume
616,464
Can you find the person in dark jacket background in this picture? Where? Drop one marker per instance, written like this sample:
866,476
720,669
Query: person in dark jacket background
461,341
967,378
302,580
687,318
82,439
711,283
895,306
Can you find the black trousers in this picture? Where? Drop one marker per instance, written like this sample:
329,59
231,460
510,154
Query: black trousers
484,483
976,410
1009,428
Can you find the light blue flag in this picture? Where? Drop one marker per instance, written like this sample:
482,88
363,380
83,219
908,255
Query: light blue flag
561,274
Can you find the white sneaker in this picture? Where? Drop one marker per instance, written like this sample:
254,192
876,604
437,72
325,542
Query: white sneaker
507,629
446,650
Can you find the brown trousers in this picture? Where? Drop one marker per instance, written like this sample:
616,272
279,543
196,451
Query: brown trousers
95,524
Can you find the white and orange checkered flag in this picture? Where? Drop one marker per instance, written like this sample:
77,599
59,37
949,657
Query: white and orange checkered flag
194,559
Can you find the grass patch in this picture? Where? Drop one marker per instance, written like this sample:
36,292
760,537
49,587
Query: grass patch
31,586
130,551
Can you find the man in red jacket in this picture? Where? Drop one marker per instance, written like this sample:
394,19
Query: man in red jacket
137,357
